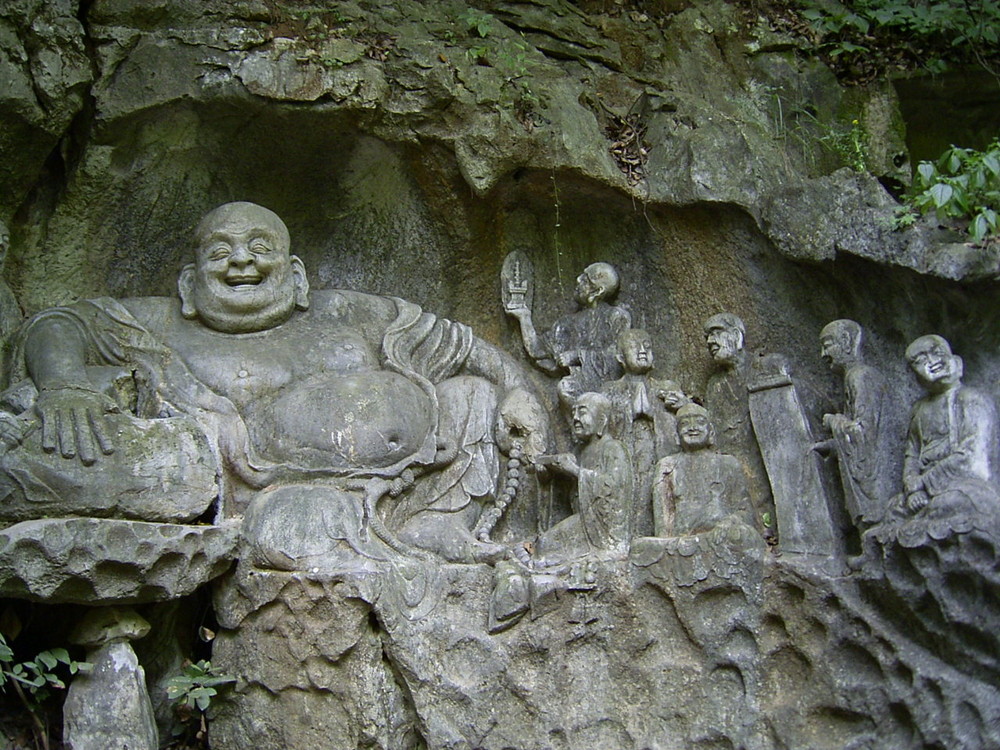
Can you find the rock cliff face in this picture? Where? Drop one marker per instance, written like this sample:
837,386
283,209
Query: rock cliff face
410,147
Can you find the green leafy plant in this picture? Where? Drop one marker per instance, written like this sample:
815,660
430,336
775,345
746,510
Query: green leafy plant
33,681
932,33
835,29
963,185
478,21
195,686
508,55
192,692
847,141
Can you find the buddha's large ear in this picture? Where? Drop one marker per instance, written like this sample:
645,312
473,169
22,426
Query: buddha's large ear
185,287
301,283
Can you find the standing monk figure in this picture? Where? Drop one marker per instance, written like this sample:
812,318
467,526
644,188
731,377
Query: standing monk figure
858,433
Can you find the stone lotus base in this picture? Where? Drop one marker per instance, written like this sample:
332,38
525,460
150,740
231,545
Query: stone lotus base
99,561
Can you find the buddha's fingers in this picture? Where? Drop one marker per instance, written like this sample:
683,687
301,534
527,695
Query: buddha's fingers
66,433
84,436
98,427
50,435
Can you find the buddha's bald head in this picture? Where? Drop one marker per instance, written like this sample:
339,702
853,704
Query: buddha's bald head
243,278
242,215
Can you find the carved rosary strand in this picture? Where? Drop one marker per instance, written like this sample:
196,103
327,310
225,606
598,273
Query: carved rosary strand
492,516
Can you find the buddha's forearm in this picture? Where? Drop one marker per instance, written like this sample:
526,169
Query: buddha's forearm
55,353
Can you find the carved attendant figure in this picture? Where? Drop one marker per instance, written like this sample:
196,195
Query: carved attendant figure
584,342
699,489
603,473
727,400
948,464
857,433
726,392
640,420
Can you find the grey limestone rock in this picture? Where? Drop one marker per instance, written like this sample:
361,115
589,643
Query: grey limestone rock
107,561
108,707
47,71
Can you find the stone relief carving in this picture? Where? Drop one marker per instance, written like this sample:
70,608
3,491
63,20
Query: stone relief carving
602,522
358,447
859,432
805,525
641,419
949,463
583,343
727,400
243,361
704,519
699,490
933,555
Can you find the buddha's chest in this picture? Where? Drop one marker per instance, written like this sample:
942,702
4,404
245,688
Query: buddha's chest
315,399
251,369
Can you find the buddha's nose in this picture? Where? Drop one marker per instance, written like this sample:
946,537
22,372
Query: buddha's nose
241,255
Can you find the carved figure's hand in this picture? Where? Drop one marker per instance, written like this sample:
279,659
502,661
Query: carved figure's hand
917,500
913,483
519,310
823,447
568,358
562,462
516,306
73,420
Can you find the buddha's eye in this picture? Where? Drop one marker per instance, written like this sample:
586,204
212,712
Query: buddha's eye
220,252
260,246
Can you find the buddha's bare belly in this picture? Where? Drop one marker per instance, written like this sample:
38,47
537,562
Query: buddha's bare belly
368,419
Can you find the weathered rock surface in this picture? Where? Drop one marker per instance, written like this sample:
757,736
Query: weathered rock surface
180,105
115,687
410,146
105,561
784,658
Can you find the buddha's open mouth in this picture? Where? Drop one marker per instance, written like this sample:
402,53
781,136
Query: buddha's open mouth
241,281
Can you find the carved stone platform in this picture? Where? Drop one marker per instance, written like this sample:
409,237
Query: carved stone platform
101,561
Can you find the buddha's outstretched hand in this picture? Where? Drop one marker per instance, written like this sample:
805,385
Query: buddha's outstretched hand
74,421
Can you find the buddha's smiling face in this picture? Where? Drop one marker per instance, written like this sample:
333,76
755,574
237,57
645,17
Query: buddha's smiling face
243,278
